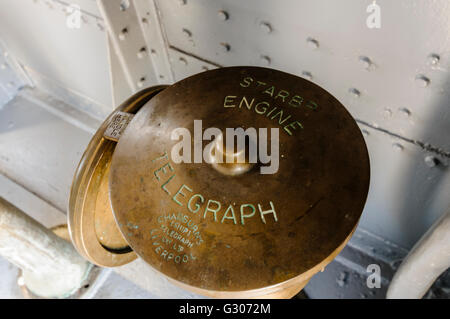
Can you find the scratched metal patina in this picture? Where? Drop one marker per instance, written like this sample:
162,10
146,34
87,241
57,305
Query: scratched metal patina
219,232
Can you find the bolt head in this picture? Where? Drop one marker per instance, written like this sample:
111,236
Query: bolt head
405,112
397,147
225,47
266,27
223,15
433,59
124,5
265,60
187,33
183,61
123,34
422,80
312,43
431,161
365,62
354,92
142,54
100,26
141,82
307,75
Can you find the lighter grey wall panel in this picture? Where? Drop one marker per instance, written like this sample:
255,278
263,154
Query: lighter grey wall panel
36,33
406,196
39,150
326,39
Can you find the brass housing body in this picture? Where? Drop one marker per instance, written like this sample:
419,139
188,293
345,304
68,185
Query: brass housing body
227,231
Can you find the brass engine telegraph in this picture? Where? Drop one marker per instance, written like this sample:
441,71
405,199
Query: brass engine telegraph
213,217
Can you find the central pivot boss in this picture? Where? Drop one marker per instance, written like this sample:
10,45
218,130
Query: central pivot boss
227,233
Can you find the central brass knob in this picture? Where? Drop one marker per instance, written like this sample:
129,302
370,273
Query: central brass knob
230,160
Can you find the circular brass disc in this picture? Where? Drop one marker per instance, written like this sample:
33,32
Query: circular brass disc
92,226
217,232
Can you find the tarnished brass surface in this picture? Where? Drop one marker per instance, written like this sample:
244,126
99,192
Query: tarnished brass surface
318,193
93,229
108,233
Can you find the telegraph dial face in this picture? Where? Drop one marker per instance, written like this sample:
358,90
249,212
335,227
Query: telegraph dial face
206,225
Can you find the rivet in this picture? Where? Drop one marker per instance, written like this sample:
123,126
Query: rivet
225,46
123,34
100,25
182,2
187,33
223,15
365,62
144,21
266,27
183,60
124,5
265,59
433,59
397,147
152,51
365,132
142,53
205,68
405,112
422,80
387,113
307,75
354,92
141,82
312,43
431,161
